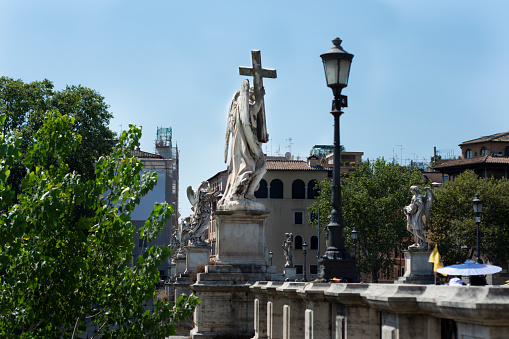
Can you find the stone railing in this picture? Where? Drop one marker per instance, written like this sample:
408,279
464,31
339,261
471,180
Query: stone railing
316,310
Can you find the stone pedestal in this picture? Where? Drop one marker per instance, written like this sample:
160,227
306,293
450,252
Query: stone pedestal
180,266
240,237
196,255
290,273
173,269
417,268
226,308
345,269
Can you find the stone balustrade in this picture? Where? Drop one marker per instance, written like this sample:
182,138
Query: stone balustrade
317,310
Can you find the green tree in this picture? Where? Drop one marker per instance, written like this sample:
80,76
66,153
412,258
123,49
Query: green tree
373,197
60,267
24,106
453,226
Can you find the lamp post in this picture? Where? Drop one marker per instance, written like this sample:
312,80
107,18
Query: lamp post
477,205
337,261
318,249
355,234
304,251
271,254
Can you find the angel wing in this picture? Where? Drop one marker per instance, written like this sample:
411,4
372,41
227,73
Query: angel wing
229,123
428,200
191,195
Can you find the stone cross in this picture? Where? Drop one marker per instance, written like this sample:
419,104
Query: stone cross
258,73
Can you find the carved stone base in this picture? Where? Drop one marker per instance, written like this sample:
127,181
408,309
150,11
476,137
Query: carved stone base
180,266
417,268
241,205
290,273
225,310
344,269
196,255
240,237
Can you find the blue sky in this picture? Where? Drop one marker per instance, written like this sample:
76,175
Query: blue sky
425,73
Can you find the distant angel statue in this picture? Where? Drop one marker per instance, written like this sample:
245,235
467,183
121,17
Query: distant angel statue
419,207
287,249
245,133
201,199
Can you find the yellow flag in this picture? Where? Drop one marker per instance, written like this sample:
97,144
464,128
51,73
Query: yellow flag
435,258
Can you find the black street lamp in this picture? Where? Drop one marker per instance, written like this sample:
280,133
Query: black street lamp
477,205
337,261
271,254
355,234
304,251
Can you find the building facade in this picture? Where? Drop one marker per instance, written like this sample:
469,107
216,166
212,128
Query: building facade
165,162
487,156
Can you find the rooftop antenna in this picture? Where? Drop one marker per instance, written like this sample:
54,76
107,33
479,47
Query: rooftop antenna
401,150
290,143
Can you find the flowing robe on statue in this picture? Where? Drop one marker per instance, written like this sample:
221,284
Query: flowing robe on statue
414,213
246,131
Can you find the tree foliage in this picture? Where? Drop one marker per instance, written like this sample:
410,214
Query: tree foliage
373,197
453,226
66,244
24,106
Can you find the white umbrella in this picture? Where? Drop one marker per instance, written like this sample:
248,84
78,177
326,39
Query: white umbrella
469,268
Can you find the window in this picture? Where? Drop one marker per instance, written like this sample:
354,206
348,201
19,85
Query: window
299,269
298,189
484,151
313,189
468,153
262,192
313,269
276,189
506,151
297,243
298,217
140,242
313,242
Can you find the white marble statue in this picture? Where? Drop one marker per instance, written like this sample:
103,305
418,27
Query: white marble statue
246,131
288,249
247,161
202,200
174,242
419,207
180,239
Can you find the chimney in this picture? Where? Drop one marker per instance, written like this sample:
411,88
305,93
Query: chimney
313,161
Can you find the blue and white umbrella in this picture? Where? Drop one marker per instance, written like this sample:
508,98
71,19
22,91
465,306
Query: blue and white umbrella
469,268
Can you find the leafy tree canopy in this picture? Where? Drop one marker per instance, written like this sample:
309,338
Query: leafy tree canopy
453,226
62,268
373,197
24,106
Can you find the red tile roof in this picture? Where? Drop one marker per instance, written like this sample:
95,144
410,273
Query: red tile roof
499,137
290,165
488,159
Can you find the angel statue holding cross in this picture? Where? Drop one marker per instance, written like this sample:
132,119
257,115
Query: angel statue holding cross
246,131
